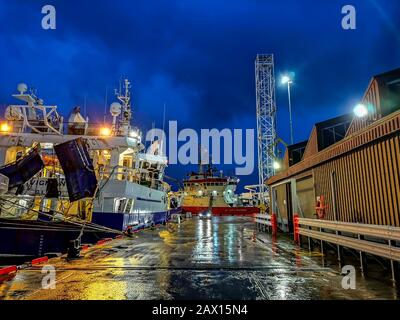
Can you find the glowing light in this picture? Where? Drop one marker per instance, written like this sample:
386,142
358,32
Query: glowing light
134,134
4,127
46,145
276,165
105,131
360,110
286,79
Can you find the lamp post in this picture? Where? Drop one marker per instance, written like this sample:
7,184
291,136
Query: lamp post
288,81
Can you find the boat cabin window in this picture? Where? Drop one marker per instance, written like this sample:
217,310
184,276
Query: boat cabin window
127,162
145,165
120,205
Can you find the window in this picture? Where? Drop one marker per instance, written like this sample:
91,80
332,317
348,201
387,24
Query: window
333,134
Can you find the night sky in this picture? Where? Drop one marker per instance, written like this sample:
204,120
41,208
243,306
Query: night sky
197,57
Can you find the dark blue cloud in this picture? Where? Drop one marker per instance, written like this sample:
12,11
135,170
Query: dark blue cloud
197,57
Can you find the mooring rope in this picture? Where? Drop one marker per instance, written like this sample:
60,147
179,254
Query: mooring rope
68,219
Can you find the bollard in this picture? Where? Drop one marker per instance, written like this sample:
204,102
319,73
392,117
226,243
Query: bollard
74,249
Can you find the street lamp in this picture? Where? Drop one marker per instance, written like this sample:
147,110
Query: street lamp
287,80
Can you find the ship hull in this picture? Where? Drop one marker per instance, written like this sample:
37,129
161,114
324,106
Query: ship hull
26,239
23,239
123,221
224,211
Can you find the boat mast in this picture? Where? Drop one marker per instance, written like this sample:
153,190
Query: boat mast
200,161
126,114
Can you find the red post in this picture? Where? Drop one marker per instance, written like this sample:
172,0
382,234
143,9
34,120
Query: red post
274,224
103,241
296,228
39,260
8,270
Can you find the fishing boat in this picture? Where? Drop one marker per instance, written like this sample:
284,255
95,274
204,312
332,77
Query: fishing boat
75,181
208,192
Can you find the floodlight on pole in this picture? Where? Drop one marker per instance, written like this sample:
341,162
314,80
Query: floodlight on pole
287,80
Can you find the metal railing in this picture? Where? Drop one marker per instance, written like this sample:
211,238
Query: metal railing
122,173
263,219
367,231
270,222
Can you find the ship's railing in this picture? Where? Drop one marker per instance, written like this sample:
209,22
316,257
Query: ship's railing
122,173
373,239
59,126
37,119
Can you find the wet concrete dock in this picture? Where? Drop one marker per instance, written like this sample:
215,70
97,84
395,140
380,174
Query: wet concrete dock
199,259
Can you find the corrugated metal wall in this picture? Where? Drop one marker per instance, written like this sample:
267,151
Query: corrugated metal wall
312,145
306,196
367,183
281,201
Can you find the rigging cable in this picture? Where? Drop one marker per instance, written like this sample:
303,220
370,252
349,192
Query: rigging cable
92,225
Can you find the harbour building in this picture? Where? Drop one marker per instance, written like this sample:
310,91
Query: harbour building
349,168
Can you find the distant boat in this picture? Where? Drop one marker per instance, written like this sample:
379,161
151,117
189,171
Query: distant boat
206,192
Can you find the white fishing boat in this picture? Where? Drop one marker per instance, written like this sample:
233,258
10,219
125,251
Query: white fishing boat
39,212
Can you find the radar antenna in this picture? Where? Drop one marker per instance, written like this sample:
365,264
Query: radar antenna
124,96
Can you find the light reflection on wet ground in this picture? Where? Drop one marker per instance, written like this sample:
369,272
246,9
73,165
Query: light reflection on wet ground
200,259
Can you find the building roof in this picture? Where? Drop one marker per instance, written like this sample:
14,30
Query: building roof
324,134
382,95
383,127
294,153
